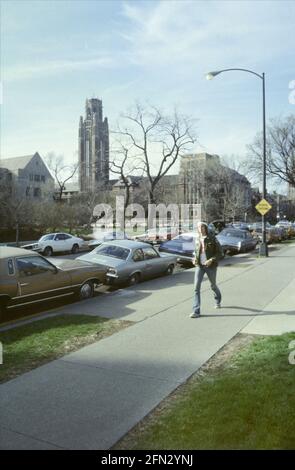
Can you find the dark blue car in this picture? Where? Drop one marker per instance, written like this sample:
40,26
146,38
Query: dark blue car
183,246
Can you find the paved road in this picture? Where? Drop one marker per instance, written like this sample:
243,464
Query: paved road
89,399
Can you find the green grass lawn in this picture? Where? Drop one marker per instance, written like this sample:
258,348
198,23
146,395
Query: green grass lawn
29,346
247,403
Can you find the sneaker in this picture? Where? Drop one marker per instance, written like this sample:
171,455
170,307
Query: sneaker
195,315
217,306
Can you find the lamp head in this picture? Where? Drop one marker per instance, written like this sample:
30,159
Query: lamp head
211,75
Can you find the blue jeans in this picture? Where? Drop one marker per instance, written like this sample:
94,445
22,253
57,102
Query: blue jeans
199,274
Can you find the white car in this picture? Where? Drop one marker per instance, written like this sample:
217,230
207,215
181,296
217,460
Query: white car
55,243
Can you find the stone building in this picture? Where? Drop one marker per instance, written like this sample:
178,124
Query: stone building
93,147
222,192
27,176
69,191
291,193
194,170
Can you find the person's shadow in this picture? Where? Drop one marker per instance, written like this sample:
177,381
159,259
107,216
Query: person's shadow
253,312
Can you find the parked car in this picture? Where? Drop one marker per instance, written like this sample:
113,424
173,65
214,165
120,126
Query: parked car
56,243
29,278
156,235
128,261
273,235
269,235
183,246
277,233
283,231
287,226
106,237
236,241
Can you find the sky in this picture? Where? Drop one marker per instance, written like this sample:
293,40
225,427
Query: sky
55,54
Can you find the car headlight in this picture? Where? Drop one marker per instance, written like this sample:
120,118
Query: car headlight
35,246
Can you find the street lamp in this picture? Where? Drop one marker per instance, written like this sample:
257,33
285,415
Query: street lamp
263,251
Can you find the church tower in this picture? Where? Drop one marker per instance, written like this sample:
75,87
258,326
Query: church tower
93,147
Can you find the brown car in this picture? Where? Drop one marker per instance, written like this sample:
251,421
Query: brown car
27,278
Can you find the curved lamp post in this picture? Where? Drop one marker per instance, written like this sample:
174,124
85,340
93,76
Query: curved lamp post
263,251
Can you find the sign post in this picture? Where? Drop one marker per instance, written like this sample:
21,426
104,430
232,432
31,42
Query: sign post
263,207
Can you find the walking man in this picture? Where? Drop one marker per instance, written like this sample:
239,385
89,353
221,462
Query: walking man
207,253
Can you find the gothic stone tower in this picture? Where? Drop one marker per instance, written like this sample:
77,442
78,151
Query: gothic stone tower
93,147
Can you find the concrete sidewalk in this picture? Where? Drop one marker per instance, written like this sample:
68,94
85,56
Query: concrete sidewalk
89,399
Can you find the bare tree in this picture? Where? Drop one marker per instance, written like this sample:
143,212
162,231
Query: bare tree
223,192
280,150
61,171
153,136
235,196
124,164
86,202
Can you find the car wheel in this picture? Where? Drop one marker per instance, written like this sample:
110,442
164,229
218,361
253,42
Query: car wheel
86,290
170,269
48,251
134,279
75,249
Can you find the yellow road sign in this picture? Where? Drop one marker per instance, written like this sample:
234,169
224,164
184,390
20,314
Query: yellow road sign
263,206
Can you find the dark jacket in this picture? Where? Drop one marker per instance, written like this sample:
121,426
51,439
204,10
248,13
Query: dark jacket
213,250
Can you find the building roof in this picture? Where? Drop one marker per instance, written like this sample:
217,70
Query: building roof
237,175
14,164
202,155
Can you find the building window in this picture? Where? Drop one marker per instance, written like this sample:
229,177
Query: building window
43,178
31,177
37,178
37,192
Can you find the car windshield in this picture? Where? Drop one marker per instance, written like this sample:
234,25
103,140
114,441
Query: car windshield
232,233
46,237
113,251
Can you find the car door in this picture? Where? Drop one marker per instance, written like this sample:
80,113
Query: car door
251,241
139,263
59,243
244,241
154,264
37,278
69,241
